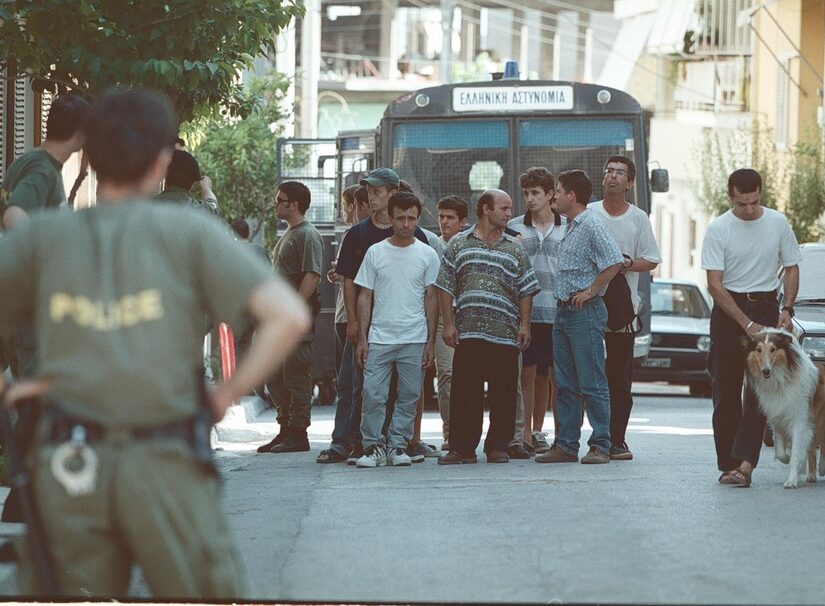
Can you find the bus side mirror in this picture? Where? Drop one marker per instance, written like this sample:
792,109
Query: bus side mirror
659,180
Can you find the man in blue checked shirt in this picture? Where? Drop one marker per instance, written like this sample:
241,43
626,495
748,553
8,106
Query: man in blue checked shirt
588,260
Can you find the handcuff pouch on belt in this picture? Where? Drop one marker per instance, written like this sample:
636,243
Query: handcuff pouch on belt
74,463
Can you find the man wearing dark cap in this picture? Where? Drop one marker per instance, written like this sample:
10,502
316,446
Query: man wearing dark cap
181,175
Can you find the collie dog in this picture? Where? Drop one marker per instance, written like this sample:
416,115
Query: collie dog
791,392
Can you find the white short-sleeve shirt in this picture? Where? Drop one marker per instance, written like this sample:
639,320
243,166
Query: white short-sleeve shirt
634,235
398,277
750,253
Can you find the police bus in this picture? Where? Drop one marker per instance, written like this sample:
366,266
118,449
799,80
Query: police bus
461,139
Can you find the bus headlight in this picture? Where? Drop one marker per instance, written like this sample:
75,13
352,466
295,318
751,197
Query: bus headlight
814,347
703,343
603,96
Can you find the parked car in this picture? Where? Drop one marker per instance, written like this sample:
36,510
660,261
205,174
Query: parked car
680,330
809,319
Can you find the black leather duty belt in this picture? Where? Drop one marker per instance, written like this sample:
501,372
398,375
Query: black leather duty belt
59,426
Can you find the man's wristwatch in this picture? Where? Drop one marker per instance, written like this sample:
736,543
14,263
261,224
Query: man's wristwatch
789,309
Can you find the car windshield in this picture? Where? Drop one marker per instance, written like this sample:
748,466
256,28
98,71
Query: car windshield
684,300
812,274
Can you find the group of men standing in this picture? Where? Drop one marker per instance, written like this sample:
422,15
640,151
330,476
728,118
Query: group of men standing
511,302
104,311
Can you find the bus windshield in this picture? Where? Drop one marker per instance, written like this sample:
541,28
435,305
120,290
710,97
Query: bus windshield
467,156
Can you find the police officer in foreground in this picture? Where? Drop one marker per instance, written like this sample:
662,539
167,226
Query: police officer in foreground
117,293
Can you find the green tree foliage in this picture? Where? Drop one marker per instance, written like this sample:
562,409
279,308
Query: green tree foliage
191,50
800,183
720,156
240,154
806,191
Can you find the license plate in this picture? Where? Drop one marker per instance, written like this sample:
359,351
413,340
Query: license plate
657,363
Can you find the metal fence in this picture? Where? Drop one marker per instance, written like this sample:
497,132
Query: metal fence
312,162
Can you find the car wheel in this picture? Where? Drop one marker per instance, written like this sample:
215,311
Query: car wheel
701,390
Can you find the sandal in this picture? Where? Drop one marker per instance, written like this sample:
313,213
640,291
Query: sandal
736,477
330,456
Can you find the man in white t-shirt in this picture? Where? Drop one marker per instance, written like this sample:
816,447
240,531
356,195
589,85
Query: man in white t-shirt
630,227
743,251
397,332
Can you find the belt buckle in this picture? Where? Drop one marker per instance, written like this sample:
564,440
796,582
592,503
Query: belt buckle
748,296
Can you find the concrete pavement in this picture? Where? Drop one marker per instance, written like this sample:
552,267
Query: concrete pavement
656,529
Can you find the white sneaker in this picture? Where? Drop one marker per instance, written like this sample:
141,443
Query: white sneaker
374,456
397,457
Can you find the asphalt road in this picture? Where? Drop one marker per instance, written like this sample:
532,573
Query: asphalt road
656,529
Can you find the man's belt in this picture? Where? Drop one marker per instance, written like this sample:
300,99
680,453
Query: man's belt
769,295
561,303
58,428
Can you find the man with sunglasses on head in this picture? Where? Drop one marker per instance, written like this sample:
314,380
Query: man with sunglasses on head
298,257
630,227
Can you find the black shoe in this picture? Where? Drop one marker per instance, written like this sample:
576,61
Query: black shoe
279,439
517,451
296,441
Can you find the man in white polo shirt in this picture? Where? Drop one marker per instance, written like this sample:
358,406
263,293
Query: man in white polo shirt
630,227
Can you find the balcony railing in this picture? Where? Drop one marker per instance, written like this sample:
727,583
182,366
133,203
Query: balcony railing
719,86
719,32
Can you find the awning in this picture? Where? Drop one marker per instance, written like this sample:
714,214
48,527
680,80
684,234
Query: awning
673,19
627,48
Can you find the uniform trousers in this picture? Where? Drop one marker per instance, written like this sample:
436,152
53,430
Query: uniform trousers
290,388
154,505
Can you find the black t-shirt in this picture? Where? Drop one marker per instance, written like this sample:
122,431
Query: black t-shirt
358,240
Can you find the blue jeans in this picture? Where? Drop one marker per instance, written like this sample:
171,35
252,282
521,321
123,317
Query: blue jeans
578,359
347,430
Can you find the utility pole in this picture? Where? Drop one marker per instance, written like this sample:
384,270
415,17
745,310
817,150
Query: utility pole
446,64
285,64
310,68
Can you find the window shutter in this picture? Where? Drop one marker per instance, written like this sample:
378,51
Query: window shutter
19,117
45,105
3,129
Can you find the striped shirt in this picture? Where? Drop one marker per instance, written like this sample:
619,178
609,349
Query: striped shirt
486,283
543,251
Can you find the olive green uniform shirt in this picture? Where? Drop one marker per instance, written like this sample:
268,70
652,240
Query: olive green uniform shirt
298,251
117,295
33,182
